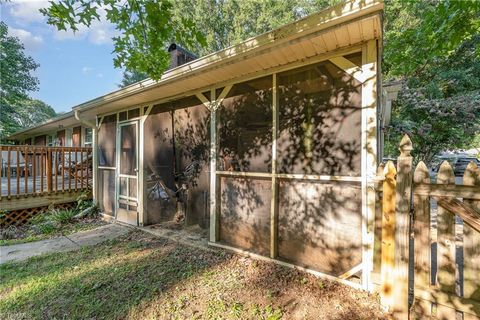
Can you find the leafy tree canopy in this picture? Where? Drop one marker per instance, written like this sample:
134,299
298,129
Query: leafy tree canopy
440,108
131,77
420,33
144,26
31,112
17,110
15,67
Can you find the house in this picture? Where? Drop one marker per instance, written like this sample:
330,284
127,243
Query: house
270,144
62,131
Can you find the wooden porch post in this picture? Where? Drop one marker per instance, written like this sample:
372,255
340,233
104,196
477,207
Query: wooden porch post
49,170
94,164
369,156
274,200
214,226
402,232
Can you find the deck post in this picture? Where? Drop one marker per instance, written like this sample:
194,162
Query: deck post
49,171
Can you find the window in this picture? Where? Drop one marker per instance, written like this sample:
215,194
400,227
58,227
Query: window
88,137
52,140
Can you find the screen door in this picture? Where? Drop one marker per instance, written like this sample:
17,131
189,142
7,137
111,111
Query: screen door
127,186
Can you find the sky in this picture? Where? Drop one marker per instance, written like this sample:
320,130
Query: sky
74,68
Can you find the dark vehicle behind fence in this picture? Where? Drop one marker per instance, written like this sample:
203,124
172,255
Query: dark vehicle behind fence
458,162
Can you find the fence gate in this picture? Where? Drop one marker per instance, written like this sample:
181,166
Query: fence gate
442,246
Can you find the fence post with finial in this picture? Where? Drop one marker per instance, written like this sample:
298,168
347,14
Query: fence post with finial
402,230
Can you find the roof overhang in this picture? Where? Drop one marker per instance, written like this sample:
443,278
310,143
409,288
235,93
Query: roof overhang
341,26
55,124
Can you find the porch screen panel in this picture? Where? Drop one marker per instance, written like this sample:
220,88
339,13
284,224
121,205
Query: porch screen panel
106,159
106,191
107,141
245,127
176,155
245,213
320,121
159,165
320,225
320,134
128,149
192,141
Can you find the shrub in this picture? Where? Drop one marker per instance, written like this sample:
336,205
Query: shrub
62,216
46,228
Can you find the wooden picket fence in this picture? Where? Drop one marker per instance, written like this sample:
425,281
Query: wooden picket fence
430,240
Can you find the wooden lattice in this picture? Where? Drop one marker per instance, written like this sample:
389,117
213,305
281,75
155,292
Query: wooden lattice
21,216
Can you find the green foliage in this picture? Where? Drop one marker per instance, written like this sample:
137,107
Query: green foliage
31,112
84,201
145,28
16,109
440,108
15,68
131,77
46,228
62,216
226,23
418,34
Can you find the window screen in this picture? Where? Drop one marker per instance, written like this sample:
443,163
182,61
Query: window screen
320,121
107,141
245,127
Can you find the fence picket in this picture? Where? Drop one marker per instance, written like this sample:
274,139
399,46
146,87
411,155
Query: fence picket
446,236
471,240
388,236
402,226
422,229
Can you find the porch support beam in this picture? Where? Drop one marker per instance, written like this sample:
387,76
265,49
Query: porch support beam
349,67
141,166
274,198
203,99
369,157
213,105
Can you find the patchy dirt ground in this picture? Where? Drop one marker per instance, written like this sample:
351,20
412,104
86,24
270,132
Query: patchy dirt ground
139,276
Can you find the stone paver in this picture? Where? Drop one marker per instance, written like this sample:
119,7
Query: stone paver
19,252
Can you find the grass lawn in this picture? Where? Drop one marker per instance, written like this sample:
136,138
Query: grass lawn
139,276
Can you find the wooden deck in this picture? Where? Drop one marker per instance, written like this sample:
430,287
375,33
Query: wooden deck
36,176
19,199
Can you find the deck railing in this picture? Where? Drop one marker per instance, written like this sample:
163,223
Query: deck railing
37,170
